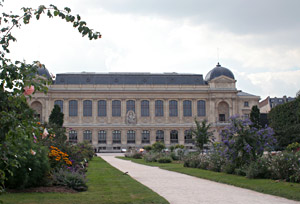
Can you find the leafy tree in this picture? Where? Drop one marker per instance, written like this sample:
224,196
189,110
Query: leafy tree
158,146
17,81
285,120
201,134
255,117
56,116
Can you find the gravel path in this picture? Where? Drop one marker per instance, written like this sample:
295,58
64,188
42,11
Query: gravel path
180,188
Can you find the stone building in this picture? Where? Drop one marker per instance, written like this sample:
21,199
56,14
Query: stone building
267,104
122,110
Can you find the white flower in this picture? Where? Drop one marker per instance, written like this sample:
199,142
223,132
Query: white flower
29,169
45,133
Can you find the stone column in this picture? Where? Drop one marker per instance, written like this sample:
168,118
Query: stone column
80,110
152,136
167,136
180,110
138,110
80,135
138,137
109,110
166,110
66,110
181,136
94,137
124,136
109,136
123,110
95,110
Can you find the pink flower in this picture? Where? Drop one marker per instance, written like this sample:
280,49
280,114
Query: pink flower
28,90
32,152
45,134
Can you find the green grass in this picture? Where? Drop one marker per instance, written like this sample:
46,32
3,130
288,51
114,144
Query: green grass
106,185
282,189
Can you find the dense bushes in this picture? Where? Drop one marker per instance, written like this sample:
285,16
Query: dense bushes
72,179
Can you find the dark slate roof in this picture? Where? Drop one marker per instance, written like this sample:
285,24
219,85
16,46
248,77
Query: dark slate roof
218,71
129,78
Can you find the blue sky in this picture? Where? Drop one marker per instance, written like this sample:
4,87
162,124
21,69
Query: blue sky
257,40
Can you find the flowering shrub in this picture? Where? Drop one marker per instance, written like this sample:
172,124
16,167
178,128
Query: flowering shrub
57,157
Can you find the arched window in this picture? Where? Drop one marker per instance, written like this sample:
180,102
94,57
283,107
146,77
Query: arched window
174,136
73,108
87,136
116,136
201,108
159,108
187,108
188,139
102,136
87,108
102,108
160,136
173,109
130,105
144,108
130,136
145,136
116,108
60,103
73,136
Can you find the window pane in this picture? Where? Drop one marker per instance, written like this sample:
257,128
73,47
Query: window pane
201,108
173,110
130,105
146,136
145,108
174,136
159,108
87,136
87,108
187,108
102,136
60,103
159,136
101,108
73,108
72,136
116,108
188,137
116,136
131,137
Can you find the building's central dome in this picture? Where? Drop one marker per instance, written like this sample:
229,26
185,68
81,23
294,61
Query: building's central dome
218,71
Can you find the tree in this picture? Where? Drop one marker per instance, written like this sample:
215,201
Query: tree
201,134
56,116
255,117
18,127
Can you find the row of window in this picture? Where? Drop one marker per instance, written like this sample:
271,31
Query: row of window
131,136
130,105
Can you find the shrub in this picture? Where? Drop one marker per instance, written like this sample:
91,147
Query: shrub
191,160
259,168
174,156
293,147
72,179
134,154
158,146
164,160
151,156
215,161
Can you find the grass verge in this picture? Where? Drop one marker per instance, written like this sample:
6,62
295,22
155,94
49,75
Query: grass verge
268,186
106,185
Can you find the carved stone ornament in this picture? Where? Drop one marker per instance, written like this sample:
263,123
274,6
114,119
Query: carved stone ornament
130,117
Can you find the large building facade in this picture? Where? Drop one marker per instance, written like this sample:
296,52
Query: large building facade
122,110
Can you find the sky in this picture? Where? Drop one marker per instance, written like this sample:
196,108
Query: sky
257,40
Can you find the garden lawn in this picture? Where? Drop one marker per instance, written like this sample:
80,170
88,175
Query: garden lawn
268,186
106,185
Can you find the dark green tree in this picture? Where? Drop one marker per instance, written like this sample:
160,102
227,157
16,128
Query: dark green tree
56,116
202,135
255,117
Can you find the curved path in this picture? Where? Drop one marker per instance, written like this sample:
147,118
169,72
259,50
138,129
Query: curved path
179,188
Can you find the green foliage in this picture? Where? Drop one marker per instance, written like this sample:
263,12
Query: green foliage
293,147
158,146
152,156
285,120
164,159
201,134
255,117
56,116
148,148
259,169
134,154
74,180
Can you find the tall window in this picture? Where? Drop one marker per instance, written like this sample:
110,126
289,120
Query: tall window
188,139
73,108
130,136
144,108
102,108
102,136
60,103
87,108
187,108
173,109
116,136
159,136
72,136
116,108
201,108
87,136
159,108
146,136
174,136
130,105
